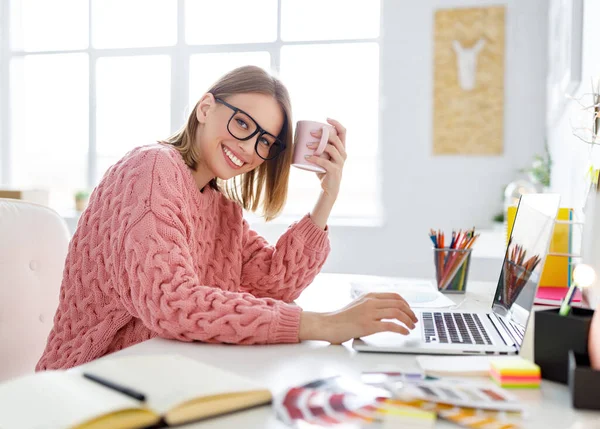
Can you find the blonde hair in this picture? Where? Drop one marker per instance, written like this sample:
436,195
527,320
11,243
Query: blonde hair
266,186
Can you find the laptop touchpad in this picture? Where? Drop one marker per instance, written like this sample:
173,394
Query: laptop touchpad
393,339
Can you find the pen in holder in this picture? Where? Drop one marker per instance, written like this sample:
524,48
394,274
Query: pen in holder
452,262
451,269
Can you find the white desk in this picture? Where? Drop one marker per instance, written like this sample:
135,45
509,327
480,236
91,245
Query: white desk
282,366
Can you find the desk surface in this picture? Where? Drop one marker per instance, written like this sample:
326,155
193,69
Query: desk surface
280,366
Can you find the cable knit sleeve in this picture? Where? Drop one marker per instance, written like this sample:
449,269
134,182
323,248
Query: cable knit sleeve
283,271
162,289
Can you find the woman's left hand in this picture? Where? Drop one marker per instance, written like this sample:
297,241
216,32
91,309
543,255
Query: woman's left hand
332,159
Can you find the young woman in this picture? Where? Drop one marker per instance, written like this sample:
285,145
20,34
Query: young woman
163,249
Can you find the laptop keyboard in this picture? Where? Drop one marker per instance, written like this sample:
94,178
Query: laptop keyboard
454,328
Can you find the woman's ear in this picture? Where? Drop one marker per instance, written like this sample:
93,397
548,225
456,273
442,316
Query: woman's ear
204,107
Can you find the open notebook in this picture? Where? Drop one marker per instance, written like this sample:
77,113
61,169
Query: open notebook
177,390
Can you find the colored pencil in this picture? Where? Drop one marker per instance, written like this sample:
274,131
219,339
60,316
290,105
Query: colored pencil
450,259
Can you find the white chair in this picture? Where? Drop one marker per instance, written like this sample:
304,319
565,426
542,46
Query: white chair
33,247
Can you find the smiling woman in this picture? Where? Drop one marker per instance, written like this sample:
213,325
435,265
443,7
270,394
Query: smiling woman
163,250
222,141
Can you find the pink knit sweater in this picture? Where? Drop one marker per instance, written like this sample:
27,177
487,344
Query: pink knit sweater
154,256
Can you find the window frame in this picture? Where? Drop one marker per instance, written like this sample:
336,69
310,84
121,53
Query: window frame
180,54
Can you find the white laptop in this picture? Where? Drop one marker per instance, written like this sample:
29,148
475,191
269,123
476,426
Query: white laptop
501,330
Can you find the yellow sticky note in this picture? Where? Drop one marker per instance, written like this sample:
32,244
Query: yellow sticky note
515,367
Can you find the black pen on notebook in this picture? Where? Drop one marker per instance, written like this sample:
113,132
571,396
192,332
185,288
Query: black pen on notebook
119,388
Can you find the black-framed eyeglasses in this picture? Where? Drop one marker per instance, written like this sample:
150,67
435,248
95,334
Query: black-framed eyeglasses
243,127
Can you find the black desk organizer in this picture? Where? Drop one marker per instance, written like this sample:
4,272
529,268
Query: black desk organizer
555,335
584,382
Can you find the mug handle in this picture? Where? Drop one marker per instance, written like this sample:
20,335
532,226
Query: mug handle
323,143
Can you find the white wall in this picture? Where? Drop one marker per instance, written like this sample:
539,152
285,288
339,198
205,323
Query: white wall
570,155
421,191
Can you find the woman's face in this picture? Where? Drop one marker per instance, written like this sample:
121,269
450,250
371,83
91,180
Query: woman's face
220,152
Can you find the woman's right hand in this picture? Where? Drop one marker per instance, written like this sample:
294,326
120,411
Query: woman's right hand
362,317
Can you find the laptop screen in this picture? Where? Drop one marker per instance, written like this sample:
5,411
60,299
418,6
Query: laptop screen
524,258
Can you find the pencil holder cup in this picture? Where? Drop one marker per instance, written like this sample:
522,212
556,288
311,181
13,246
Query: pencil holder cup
555,335
514,278
451,269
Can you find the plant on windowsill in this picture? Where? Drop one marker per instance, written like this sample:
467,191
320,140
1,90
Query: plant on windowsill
540,170
498,221
498,218
81,200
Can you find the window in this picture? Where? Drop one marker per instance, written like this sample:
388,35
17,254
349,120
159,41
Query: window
133,105
90,80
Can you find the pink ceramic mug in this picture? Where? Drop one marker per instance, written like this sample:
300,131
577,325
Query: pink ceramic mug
302,138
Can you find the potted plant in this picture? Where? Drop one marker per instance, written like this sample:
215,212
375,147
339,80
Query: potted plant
540,169
498,221
499,218
81,200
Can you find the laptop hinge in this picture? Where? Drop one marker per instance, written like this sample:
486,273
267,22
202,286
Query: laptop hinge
503,331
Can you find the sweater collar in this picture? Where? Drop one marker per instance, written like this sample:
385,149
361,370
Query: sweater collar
202,199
